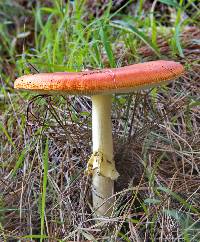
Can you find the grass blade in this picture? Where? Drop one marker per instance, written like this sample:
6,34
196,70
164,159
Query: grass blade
179,199
7,135
129,28
107,46
177,40
19,162
172,3
44,187
177,30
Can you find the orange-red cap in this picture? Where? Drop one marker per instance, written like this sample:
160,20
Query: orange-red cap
114,80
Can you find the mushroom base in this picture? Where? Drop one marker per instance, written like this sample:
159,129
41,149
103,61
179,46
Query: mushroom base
102,191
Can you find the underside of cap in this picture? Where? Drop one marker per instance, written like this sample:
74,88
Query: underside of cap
114,80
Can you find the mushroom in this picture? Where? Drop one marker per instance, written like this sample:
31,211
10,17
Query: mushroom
100,85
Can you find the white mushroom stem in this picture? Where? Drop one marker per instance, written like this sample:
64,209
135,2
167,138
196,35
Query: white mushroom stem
103,165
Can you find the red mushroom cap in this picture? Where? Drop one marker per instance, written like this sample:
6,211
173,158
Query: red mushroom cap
113,80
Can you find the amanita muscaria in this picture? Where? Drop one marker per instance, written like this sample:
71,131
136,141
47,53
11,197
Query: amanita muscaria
100,85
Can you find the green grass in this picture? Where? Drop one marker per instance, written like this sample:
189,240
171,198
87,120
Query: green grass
44,149
44,189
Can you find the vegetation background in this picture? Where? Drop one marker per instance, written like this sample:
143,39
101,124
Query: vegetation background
45,141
